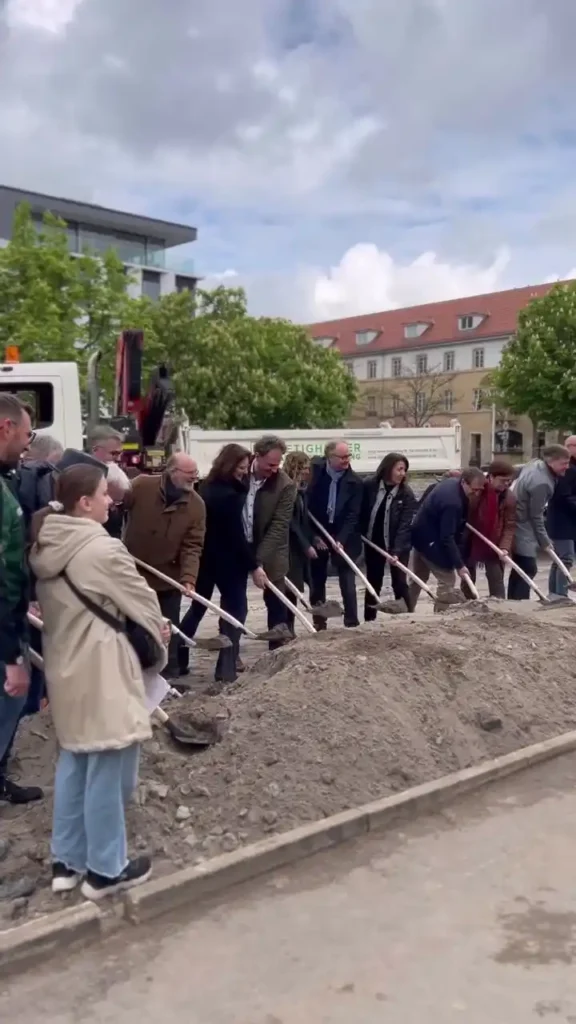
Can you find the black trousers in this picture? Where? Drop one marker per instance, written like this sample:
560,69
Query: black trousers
347,581
277,613
170,601
375,568
518,589
234,600
494,575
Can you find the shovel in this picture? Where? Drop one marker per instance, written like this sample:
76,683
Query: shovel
280,632
291,607
209,643
328,610
386,606
349,561
565,572
512,565
183,737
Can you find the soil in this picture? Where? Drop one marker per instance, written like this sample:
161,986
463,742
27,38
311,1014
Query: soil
324,724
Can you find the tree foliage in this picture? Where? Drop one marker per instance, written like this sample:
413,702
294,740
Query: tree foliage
416,398
233,371
55,306
230,370
537,372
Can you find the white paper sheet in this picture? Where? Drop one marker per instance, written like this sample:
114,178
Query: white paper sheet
156,689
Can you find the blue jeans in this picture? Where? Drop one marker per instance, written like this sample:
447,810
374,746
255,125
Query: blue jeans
10,711
557,582
91,792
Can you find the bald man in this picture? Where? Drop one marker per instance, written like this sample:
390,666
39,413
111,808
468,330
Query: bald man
165,528
335,500
561,521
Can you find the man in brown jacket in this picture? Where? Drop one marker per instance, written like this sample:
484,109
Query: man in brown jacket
267,515
494,515
165,528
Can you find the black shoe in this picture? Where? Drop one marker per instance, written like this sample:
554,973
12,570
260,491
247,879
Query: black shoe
240,666
63,878
97,887
11,793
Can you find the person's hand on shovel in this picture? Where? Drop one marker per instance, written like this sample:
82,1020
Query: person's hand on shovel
260,578
189,589
320,544
166,632
311,553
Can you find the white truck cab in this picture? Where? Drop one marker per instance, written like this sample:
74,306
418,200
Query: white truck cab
53,391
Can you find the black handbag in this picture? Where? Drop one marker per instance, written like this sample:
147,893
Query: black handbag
147,650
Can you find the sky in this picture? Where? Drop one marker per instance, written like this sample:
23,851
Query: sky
336,156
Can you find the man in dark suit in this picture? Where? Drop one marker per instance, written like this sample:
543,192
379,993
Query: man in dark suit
561,522
335,500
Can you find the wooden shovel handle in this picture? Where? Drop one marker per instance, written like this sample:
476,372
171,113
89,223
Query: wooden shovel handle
297,594
404,568
291,607
510,563
340,551
197,597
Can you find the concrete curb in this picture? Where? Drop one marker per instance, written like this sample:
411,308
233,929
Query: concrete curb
35,941
193,884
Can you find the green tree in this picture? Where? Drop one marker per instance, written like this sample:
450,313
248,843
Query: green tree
537,373
55,306
234,371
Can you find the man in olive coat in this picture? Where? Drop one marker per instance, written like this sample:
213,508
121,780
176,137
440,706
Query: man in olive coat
267,515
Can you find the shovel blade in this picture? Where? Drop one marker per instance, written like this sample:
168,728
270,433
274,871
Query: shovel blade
280,632
328,610
213,643
191,737
397,607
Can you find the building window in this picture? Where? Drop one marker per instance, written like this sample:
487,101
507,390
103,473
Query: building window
185,284
448,401
395,405
420,403
477,399
350,368
371,405
470,321
323,342
365,337
449,362
477,358
129,248
415,330
397,366
422,364
372,369
151,284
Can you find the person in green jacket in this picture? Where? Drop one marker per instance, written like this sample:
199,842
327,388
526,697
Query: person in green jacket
15,436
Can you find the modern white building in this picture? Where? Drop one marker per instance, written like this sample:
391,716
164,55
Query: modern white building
142,243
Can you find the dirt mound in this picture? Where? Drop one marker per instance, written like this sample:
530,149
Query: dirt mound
329,722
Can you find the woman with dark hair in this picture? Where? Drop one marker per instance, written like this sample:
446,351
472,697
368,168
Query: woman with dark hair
227,558
86,582
388,508
302,550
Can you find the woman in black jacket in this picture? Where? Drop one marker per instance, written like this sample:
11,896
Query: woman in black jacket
227,557
302,550
388,508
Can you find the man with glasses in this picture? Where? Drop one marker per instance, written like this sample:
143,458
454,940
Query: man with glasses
335,500
106,445
165,528
438,535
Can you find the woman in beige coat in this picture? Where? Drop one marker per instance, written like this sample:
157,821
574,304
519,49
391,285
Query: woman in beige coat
94,681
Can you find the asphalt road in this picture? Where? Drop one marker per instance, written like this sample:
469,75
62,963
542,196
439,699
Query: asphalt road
466,916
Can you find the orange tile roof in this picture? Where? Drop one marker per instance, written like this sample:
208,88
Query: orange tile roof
499,309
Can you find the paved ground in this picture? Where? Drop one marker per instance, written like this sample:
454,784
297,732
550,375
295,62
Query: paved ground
466,916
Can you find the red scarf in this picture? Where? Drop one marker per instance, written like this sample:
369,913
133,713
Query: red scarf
485,517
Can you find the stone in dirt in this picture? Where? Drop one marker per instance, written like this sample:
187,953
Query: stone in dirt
371,726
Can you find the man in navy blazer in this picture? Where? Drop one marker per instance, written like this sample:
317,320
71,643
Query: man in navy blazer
438,533
335,500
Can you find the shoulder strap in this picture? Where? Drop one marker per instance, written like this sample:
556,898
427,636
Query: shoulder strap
93,607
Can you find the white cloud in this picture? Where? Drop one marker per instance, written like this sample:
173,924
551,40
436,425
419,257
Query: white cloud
365,280
46,15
